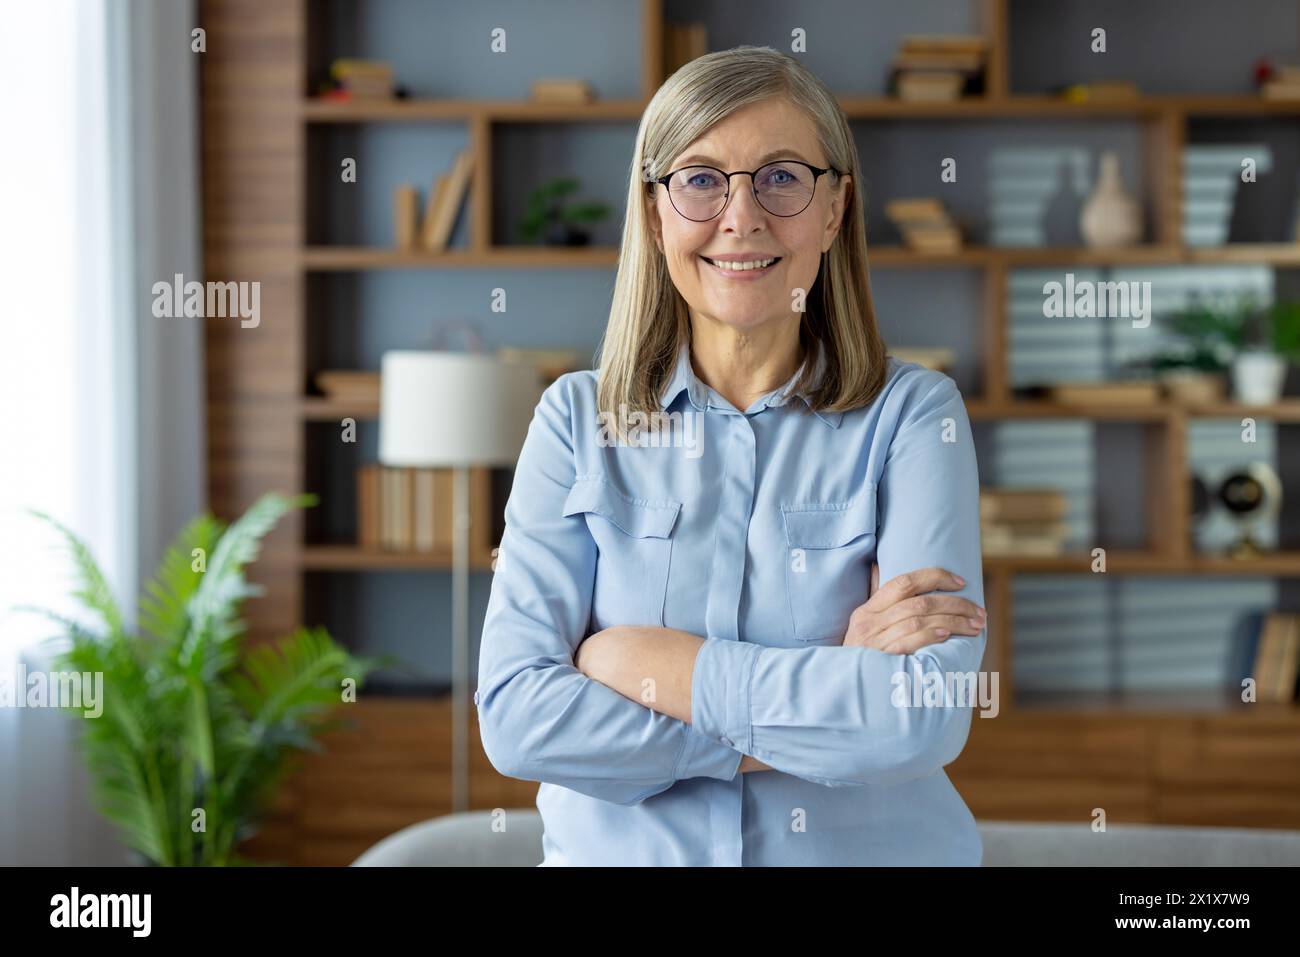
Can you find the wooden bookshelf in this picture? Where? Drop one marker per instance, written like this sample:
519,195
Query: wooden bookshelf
1184,757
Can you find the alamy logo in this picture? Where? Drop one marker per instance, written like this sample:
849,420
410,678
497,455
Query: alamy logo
1085,299
659,430
213,300
75,909
54,689
948,689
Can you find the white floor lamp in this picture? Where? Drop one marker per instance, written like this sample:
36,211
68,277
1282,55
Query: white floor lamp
455,410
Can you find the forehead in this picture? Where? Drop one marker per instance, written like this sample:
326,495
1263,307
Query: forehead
754,134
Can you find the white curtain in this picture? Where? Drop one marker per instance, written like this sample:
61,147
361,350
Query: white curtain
101,404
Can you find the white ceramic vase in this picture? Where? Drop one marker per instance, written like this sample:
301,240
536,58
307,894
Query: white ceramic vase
1110,216
1257,377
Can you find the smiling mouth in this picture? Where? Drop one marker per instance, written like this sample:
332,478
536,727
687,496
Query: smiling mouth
755,266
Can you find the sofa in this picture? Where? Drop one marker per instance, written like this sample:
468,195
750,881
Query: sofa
470,839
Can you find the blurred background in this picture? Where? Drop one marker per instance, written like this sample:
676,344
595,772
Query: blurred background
447,176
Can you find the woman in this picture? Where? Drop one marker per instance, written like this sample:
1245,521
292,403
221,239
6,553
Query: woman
686,641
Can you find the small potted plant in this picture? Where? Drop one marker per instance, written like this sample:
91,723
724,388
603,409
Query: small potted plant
1211,336
1270,342
556,222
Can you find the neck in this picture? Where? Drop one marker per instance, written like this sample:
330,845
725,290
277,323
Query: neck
741,366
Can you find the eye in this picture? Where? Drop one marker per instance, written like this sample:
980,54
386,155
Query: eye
702,179
779,177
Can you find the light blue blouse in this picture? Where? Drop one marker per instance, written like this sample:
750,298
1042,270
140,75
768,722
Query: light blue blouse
755,531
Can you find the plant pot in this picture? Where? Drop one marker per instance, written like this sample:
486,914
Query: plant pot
565,234
1257,377
1193,386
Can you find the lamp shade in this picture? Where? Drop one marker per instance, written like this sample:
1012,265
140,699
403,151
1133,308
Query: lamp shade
448,409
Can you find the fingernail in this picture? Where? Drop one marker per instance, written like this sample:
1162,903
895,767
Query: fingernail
958,579
941,631
975,622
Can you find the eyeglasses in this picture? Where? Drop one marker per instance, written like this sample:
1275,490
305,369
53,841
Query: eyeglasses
783,188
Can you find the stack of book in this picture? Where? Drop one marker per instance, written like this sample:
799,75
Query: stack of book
683,42
1270,654
1283,83
349,386
562,90
925,225
939,358
361,80
1133,392
1019,522
407,509
938,68
433,231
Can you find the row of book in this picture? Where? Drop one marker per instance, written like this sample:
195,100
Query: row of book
433,230
405,509
1022,522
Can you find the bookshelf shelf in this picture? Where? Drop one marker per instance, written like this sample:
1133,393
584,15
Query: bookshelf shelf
361,258
855,108
351,558
1166,704
1285,411
1278,564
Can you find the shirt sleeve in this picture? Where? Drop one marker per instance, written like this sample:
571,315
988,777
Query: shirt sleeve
836,715
540,718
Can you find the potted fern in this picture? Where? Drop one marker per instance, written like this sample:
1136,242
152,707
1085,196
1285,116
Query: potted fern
197,728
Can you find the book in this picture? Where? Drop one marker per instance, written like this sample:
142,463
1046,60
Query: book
406,217
944,42
930,86
424,510
1105,393
1268,656
562,90
924,210
1280,90
1288,661
939,358
349,385
1001,504
368,506
363,79
437,196
439,223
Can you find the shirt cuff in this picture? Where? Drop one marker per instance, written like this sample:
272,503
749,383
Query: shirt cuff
720,692
703,757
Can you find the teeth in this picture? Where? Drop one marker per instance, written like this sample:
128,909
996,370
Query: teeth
755,264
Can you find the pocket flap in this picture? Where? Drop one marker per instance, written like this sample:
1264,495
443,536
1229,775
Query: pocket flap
635,517
832,525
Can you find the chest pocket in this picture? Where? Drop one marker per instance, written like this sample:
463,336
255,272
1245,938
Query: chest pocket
830,548
634,544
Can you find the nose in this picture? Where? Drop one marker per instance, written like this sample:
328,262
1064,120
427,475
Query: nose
743,211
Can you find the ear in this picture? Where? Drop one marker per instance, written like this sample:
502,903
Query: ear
653,221
839,205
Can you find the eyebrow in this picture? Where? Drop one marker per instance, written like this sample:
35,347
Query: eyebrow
762,160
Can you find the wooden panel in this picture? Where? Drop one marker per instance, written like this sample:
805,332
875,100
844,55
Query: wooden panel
252,146
391,770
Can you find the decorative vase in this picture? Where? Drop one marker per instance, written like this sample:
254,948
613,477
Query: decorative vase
1257,376
1110,216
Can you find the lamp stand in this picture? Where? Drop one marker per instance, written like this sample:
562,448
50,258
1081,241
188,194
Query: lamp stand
460,642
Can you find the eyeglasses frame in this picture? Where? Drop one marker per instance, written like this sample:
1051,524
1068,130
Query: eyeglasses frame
817,172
